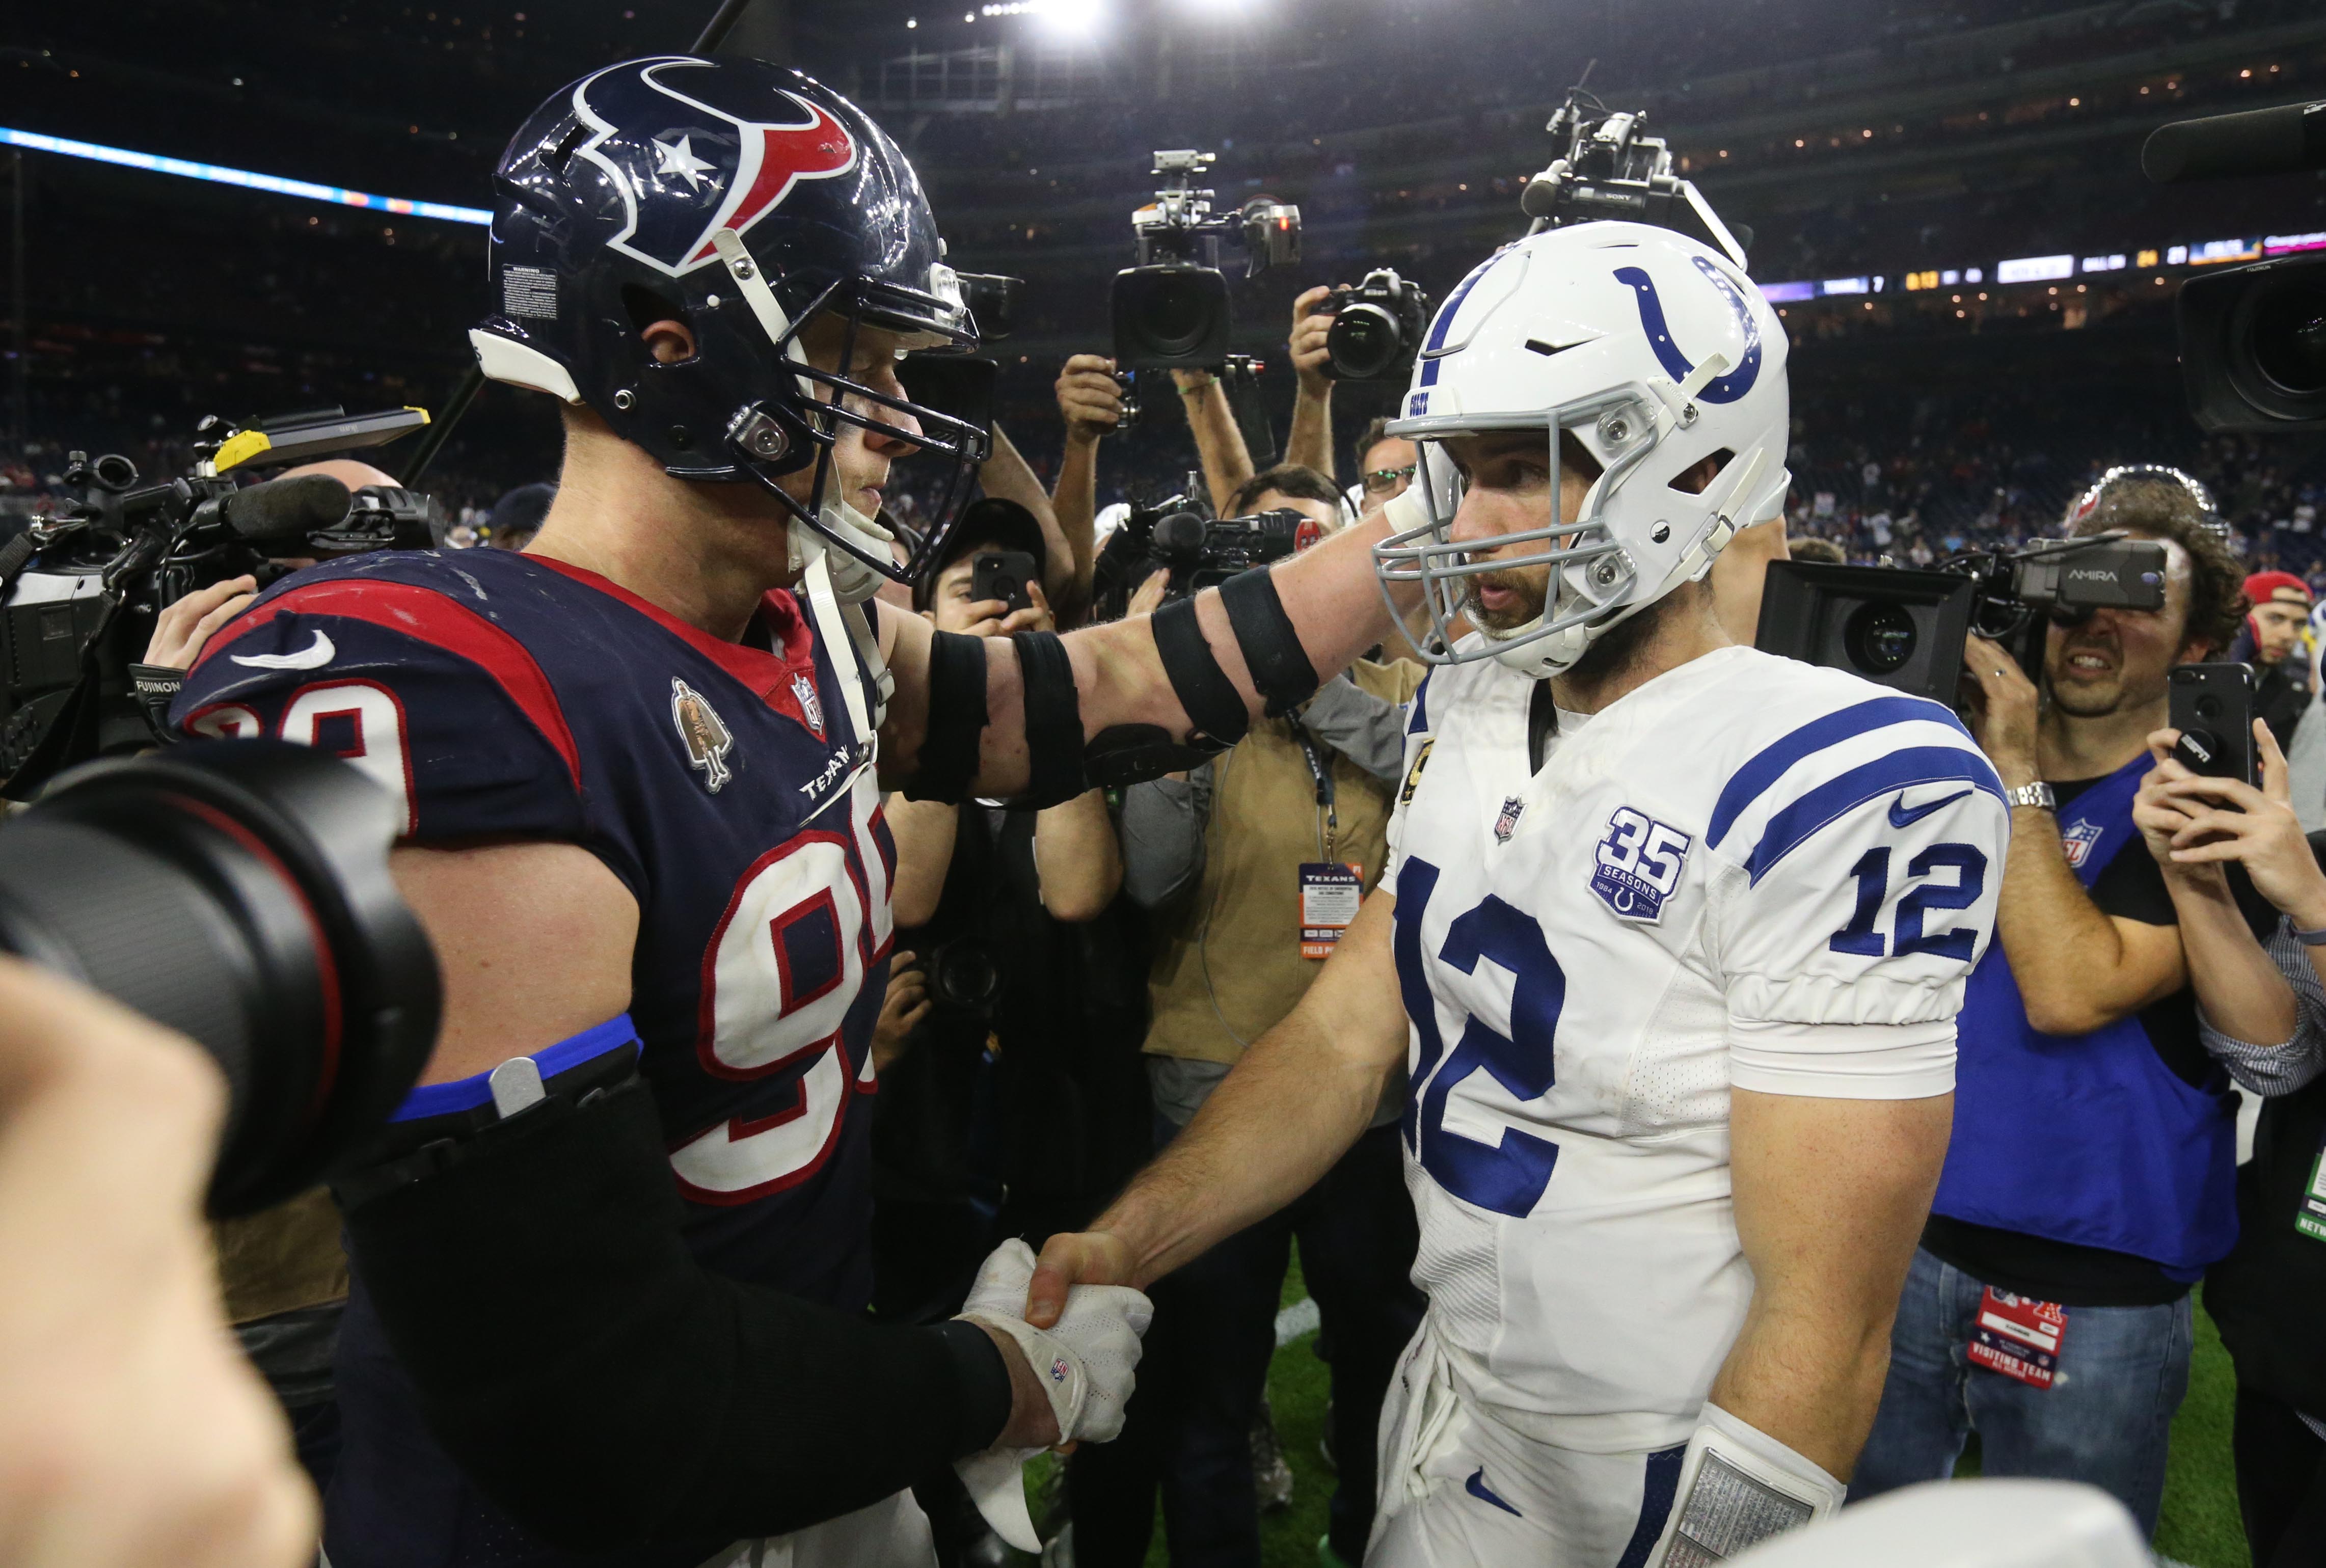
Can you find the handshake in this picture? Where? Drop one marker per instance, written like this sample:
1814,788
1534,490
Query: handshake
1084,1362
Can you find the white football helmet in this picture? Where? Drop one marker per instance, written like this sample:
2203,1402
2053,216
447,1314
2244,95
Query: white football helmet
1657,352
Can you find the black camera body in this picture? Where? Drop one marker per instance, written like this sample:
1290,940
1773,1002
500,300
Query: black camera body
1906,629
2253,346
1378,326
80,589
1610,168
1198,551
1172,310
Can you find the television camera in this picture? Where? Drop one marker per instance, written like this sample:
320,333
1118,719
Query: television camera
80,589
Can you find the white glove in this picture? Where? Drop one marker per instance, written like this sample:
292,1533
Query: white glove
1085,1365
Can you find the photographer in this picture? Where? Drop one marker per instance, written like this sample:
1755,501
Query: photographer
2087,1181
2264,1015
130,1437
1309,443
1232,858
1002,1093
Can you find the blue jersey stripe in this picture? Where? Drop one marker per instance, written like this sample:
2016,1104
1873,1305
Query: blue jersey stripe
615,1033
1417,712
1838,796
1753,781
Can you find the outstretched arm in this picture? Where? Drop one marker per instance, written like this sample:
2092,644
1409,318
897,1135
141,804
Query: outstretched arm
1219,441
1329,594
1292,1106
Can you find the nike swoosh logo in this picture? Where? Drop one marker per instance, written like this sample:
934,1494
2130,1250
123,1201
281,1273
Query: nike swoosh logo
313,656
1476,1487
1902,815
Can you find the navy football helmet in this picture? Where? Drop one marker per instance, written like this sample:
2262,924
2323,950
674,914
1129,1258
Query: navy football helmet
744,199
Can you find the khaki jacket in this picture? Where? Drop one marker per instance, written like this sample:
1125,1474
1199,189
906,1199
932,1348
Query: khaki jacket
1245,917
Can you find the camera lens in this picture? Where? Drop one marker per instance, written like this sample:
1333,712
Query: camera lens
2208,707
2289,336
1178,314
237,892
1365,341
1879,637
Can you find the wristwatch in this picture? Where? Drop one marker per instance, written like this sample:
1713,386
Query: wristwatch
2032,795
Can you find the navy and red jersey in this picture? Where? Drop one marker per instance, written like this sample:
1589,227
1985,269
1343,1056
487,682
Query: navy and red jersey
503,697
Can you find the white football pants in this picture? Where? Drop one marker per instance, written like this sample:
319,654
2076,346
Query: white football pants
1458,1488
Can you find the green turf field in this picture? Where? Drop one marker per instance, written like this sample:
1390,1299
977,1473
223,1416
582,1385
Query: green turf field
2199,1527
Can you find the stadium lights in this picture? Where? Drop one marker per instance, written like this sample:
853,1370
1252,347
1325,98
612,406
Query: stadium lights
1064,16
272,184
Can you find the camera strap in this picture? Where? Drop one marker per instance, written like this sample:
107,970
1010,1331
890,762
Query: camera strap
15,556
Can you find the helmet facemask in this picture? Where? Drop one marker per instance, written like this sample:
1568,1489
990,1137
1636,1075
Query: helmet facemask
774,437
1593,579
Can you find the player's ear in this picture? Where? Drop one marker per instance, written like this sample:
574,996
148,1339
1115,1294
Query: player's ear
669,341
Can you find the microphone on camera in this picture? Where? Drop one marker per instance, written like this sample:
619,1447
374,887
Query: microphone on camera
286,509
2280,141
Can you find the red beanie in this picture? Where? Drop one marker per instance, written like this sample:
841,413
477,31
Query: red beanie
2265,587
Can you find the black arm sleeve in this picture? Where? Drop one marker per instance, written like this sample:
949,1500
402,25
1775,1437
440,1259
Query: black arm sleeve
592,1377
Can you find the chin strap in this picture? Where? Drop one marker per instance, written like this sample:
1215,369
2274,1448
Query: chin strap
844,623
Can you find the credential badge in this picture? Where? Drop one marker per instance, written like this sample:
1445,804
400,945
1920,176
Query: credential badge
703,732
811,706
1638,865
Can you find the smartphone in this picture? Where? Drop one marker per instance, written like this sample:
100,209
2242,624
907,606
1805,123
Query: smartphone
1003,574
2212,707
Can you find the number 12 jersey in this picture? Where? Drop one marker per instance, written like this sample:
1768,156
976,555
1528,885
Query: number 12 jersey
1748,872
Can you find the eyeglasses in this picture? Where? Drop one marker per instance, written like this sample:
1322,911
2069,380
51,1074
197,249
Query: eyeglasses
1379,480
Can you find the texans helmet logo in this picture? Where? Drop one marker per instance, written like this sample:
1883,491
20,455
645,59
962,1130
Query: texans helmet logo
687,168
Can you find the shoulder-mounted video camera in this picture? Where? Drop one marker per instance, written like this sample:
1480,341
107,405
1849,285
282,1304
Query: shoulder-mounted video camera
1906,629
1178,535
1612,169
79,590
1172,310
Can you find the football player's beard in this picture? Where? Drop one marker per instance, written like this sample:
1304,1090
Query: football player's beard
1530,596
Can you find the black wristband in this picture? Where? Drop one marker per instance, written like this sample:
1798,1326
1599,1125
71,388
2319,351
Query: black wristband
982,1382
956,719
1281,670
1053,720
1204,689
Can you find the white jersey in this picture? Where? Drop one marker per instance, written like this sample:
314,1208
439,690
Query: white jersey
1749,871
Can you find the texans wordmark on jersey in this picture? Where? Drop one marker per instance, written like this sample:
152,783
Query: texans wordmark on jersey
1748,872
501,697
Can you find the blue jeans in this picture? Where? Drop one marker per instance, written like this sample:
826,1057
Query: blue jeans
2106,1419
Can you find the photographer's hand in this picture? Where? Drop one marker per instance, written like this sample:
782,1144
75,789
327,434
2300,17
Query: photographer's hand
901,1010
1148,598
1089,399
2003,721
182,627
132,1434
2159,816
1310,440
2229,820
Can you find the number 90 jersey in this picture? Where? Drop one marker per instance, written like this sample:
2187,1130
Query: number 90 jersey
499,696
1749,871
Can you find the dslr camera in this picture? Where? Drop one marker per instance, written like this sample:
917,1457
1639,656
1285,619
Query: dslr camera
79,590
1377,328
1906,629
1171,310
1177,536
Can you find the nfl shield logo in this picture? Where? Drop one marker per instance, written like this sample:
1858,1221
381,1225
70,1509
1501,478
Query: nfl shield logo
811,706
2077,841
1508,823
